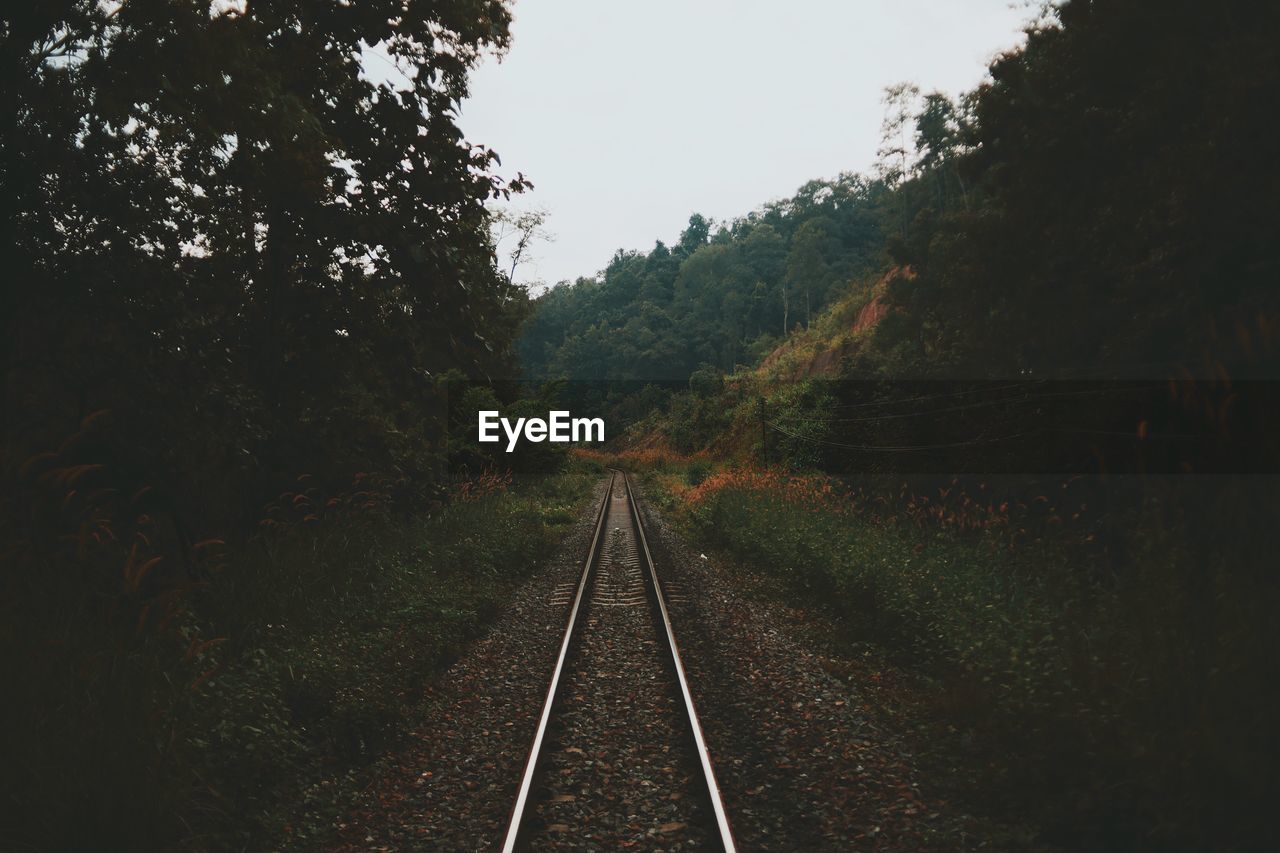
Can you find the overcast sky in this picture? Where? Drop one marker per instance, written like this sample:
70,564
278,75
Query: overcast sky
628,115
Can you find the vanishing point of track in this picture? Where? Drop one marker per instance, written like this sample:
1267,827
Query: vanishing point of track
613,644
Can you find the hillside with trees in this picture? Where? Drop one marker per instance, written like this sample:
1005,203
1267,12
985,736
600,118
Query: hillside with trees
994,419
1024,440
1109,204
721,295
1156,252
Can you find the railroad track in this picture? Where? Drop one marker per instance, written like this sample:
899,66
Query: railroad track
618,754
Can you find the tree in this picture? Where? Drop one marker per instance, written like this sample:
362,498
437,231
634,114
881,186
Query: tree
937,138
515,232
706,381
219,224
809,262
897,152
222,215
712,297
694,236
1097,230
765,254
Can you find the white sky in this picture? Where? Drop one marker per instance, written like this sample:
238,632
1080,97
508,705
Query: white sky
629,116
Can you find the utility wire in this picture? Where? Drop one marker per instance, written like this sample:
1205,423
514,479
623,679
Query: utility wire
1079,374
939,396
960,408
897,448
972,442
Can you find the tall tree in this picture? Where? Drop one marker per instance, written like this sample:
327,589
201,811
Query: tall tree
260,210
897,151
516,232
809,263
937,138
694,236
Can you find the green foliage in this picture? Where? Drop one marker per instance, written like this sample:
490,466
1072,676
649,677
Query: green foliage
661,316
1098,205
221,229
809,267
706,381
216,226
1135,692
326,635
692,422
697,471
803,409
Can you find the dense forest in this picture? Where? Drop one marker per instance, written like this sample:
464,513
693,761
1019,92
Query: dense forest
240,260
1158,251
717,298
221,230
251,299
1048,296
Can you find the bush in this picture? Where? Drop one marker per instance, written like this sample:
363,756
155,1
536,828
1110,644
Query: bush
245,718
697,472
1117,696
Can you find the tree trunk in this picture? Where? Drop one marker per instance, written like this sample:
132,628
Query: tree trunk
786,309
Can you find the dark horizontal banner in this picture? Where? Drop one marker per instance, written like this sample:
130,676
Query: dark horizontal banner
847,426
1031,427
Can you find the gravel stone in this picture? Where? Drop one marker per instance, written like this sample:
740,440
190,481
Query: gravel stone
800,765
619,771
453,786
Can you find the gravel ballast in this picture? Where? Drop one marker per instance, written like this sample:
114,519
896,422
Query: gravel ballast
619,772
800,763
452,787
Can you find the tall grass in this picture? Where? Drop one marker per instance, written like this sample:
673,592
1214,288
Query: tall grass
231,697
1131,685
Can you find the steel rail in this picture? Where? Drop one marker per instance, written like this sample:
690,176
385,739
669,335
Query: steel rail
515,827
516,834
699,741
